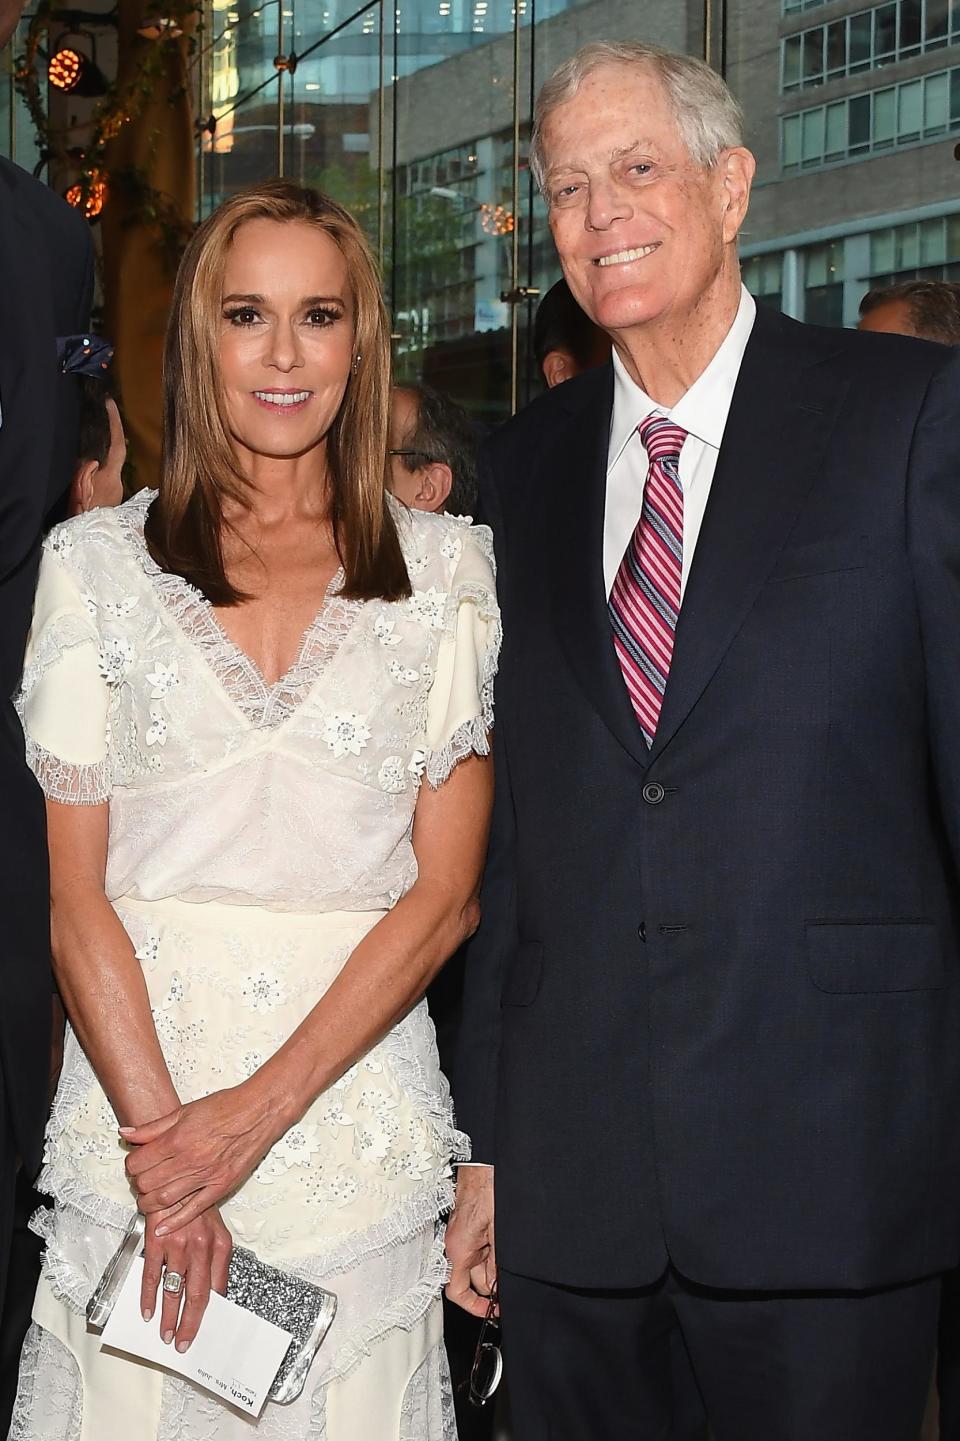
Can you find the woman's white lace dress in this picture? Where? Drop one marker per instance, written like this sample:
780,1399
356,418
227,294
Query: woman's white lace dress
256,834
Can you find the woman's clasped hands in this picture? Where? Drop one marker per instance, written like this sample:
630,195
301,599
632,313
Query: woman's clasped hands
193,1158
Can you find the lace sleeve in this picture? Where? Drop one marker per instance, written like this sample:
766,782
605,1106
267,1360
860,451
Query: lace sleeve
460,706
62,701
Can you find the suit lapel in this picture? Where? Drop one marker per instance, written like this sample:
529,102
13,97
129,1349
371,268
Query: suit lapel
576,565
776,436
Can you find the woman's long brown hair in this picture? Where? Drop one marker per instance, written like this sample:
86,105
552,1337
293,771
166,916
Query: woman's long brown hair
199,468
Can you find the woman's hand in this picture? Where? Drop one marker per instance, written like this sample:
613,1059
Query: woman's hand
200,1253
187,1161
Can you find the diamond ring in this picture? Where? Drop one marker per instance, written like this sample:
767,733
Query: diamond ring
173,1282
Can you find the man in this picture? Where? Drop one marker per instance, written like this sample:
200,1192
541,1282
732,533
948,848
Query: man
565,341
433,451
46,263
98,474
712,1010
926,309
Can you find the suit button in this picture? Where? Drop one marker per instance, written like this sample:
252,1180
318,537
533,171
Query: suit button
642,930
653,793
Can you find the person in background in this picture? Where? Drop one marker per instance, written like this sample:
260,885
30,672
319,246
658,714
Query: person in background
565,340
96,482
97,478
433,467
46,290
925,309
433,451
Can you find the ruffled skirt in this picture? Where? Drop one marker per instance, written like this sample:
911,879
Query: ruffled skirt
351,1197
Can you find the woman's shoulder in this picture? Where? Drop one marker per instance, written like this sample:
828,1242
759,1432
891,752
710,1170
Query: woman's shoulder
101,528
100,546
439,542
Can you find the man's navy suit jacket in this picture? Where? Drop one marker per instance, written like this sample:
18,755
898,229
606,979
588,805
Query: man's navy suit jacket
46,288
713,1007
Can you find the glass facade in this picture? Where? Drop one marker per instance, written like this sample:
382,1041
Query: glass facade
904,114
416,116
866,40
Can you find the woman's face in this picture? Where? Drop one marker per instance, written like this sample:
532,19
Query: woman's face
286,337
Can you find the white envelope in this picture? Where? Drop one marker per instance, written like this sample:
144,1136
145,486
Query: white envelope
235,1355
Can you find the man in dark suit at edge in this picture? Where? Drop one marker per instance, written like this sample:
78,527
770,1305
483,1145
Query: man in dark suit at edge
46,289
712,1012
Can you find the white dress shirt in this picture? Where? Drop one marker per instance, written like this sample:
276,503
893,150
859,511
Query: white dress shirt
702,413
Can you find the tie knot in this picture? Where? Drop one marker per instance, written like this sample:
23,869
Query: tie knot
661,438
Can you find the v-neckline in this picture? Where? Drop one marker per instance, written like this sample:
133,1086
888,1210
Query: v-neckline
264,704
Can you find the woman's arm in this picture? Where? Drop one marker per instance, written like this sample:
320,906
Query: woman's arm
106,999
200,1152
97,973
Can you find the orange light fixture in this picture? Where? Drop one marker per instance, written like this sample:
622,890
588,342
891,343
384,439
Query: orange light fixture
65,69
89,195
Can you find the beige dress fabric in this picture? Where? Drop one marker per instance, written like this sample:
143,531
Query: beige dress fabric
257,833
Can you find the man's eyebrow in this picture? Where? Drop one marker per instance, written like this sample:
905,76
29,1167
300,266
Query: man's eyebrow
618,154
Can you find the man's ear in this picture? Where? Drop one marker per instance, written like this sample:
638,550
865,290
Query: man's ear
81,488
435,481
737,169
558,366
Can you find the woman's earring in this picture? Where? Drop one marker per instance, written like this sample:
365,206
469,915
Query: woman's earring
356,363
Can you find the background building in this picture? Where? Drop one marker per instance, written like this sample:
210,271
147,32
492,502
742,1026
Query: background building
416,114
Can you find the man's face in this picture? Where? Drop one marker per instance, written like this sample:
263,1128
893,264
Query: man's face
893,318
10,12
641,231
403,423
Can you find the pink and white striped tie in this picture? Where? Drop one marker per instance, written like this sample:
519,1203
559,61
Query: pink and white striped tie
645,600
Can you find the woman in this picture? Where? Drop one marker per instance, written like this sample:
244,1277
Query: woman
235,690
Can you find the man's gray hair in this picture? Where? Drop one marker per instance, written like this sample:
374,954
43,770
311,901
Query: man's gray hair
708,117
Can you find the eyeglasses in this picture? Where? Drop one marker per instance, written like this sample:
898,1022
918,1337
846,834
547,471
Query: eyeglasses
487,1366
423,454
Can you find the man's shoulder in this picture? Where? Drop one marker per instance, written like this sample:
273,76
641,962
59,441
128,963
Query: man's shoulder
585,400
878,358
43,205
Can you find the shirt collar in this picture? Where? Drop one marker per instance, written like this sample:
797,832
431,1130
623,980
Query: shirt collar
702,410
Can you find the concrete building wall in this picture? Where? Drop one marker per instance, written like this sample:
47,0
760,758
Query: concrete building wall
471,95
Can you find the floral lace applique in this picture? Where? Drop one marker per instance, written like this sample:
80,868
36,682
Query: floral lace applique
346,733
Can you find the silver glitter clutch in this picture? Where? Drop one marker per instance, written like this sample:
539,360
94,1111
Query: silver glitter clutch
301,1308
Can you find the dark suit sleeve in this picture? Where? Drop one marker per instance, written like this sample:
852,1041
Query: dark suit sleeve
933,548
478,1047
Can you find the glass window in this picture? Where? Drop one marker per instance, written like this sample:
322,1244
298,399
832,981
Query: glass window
836,138
882,251
884,33
811,144
954,20
792,61
911,25
932,242
937,22
859,123
936,104
907,253
884,117
953,237
813,56
910,110
837,47
860,40
791,141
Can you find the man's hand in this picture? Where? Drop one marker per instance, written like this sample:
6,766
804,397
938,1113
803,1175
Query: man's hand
470,1245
